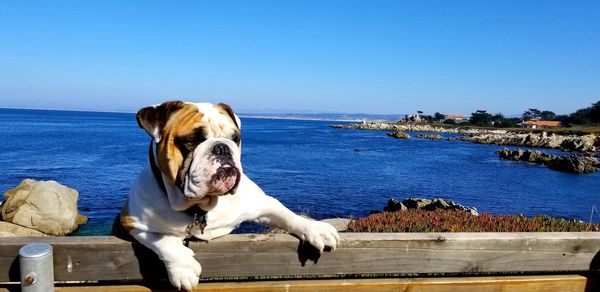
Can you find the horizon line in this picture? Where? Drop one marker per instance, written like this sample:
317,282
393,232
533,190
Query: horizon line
239,113
273,116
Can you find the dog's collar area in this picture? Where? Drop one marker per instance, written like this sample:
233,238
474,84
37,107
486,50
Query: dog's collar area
199,222
155,171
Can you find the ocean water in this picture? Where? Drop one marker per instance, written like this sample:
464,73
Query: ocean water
310,167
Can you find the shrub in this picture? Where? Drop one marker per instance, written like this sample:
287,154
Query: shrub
460,221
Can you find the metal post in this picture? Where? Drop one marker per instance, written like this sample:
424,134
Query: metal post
37,268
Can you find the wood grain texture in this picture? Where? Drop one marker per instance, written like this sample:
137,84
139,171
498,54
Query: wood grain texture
106,258
562,283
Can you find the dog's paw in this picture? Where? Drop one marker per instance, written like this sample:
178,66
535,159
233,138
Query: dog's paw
320,235
184,273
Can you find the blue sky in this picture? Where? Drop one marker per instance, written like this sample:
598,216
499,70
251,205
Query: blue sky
302,56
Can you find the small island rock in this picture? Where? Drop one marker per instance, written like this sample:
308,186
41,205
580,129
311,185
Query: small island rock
399,135
430,136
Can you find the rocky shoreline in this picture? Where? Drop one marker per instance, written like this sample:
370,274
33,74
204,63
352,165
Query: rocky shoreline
579,143
584,143
570,163
412,127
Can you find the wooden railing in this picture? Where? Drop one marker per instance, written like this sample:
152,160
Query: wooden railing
363,261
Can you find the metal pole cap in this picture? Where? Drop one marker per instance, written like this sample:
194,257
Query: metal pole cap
35,250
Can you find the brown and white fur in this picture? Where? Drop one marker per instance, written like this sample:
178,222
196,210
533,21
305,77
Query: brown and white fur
196,147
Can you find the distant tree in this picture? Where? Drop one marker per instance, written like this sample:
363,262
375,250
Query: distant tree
561,118
579,117
497,120
439,116
512,122
583,116
547,115
532,113
450,122
500,121
481,118
594,114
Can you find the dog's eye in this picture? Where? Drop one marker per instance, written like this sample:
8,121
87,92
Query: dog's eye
190,141
236,138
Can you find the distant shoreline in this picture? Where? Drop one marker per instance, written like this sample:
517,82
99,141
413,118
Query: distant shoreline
296,118
241,115
67,110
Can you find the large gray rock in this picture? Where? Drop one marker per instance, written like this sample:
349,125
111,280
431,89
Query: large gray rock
46,206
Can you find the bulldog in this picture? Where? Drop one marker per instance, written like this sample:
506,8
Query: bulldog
194,187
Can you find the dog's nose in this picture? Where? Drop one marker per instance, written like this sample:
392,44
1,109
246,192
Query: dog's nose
222,150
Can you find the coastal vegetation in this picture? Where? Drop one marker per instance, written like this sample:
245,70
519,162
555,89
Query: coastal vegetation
481,118
441,220
584,120
439,215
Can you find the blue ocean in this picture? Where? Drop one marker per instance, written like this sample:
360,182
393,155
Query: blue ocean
312,168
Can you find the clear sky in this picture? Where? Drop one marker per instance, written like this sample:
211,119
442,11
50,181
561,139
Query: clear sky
367,56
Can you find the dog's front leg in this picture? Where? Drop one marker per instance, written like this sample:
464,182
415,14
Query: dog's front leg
274,214
183,270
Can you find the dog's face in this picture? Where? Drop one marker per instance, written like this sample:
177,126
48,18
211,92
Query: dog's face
197,149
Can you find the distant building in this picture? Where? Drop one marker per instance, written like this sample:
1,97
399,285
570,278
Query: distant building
457,118
539,124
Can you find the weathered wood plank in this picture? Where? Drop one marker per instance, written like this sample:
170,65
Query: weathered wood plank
247,256
562,283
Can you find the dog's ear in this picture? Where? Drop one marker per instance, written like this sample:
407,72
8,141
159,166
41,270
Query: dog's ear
154,118
227,110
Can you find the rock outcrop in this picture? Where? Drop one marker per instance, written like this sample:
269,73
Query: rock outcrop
584,143
45,206
569,163
376,126
581,143
413,127
399,135
430,136
394,205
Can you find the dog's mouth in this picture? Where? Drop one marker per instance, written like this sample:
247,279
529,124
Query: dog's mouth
225,180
